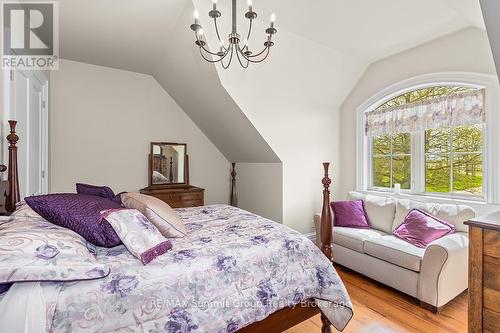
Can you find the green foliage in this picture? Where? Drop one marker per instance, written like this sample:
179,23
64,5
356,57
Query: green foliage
463,145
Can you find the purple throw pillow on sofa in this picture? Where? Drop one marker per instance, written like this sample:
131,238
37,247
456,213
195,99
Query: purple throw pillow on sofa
350,214
420,228
100,191
80,213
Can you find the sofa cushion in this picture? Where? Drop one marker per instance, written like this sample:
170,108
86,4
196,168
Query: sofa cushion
379,209
454,214
395,251
354,239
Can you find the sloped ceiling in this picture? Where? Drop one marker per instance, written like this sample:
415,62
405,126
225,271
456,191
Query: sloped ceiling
153,37
322,48
491,12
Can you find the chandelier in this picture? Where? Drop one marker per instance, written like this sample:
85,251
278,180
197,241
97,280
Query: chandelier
233,46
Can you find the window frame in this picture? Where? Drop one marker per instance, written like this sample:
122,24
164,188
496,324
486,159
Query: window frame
491,139
391,154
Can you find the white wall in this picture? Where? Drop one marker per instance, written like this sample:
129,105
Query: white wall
260,189
293,100
102,121
464,51
490,9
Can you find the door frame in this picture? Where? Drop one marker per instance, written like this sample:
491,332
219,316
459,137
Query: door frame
9,113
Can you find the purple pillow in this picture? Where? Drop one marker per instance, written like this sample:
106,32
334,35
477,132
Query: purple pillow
80,213
420,228
350,214
100,191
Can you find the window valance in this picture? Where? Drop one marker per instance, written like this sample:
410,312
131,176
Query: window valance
464,108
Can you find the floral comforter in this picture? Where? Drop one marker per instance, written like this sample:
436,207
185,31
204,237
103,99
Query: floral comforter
233,269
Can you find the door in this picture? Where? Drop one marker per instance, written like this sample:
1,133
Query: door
29,106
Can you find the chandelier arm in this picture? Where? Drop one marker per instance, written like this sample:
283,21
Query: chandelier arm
238,52
258,54
204,48
230,58
260,60
211,60
218,35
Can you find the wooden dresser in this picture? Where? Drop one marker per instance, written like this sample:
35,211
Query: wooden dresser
484,274
177,197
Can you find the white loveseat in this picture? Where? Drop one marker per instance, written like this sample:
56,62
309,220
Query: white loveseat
434,275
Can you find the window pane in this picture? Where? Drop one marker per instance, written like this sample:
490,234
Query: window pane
437,141
468,139
401,143
401,171
437,173
381,172
382,145
468,174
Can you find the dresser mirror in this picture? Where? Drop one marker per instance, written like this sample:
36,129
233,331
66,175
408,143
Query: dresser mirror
168,164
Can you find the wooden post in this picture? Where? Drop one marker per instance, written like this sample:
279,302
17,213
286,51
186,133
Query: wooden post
13,196
234,195
326,232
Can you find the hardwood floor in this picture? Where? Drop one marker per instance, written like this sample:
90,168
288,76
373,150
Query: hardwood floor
380,309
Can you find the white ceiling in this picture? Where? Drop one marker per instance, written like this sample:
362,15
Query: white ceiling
128,33
372,29
125,34
322,49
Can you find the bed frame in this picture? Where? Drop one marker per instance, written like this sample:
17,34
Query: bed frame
275,323
288,317
11,193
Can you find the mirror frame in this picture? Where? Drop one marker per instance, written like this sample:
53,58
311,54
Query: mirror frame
186,165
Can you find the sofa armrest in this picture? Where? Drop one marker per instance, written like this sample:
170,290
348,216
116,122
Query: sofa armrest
444,269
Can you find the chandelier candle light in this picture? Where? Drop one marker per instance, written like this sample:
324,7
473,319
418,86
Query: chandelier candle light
244,55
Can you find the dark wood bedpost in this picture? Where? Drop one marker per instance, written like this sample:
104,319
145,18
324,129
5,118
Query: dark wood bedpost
13,196
326,232
326,216
234,195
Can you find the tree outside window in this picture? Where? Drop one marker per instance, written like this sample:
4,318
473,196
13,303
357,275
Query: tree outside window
453,160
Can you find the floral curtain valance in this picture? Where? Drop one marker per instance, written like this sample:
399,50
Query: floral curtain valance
465,108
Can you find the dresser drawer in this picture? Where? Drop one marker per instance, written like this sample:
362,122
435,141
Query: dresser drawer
178,197
491,241
491,272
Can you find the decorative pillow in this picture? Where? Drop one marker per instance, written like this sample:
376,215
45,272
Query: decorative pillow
100,191
37,250
140,236
350,214
164,218
23,210
380,210
80,213
421,228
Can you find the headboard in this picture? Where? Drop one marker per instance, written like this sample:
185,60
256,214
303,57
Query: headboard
10,188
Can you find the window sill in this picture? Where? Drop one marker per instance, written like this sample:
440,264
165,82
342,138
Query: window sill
430,197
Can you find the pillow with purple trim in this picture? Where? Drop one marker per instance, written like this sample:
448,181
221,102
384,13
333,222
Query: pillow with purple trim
100,191
350,214
78,212
420,228
141,238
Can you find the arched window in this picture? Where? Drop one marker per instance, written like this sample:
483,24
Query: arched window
430,138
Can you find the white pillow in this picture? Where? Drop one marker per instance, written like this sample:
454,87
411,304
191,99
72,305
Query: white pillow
454,214
380,210
158,212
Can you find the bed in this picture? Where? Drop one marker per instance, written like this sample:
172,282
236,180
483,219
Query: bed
234,272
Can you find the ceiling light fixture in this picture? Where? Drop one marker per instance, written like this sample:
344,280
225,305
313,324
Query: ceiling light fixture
243,53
